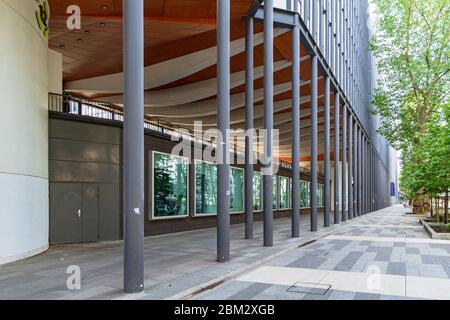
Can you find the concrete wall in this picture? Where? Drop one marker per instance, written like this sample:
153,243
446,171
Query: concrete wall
88,153
23,132
55,71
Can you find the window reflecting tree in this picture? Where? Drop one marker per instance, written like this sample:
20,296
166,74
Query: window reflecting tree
170,196
284,193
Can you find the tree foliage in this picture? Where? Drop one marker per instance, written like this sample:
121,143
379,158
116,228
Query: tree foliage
411,47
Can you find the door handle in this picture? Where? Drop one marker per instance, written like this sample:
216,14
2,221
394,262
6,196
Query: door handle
79,213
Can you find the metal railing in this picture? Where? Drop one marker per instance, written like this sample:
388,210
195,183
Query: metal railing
65,103
68,104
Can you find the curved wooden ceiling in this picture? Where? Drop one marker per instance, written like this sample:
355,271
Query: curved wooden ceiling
173,29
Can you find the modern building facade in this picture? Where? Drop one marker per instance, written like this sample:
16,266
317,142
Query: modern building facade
99,129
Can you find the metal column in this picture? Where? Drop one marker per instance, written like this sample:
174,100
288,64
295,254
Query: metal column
326,211
344,162
223,125
133,175
355,172
249,129
268,123
313,192
336,156
359,172
295,192
350,168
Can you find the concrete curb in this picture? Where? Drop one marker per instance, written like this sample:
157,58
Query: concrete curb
433,234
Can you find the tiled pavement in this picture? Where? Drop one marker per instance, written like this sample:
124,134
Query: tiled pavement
174,264
182,265
383,255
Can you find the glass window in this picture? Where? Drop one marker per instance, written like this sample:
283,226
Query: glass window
205,188
318,196
170,186
321,195
275,192
237,190
257,191
284,193
304,194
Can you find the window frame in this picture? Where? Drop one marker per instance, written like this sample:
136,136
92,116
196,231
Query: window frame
152,178
288,194
261,192
214,214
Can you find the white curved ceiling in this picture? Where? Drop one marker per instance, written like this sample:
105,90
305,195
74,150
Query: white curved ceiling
165,72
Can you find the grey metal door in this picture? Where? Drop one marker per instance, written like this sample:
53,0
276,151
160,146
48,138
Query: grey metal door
65,213
74,213
89,213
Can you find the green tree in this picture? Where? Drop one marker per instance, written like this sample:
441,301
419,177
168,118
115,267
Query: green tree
411,47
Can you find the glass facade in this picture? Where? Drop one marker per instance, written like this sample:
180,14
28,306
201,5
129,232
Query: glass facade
304,194
236,190
320,195
170,189
170,186
257,191
283,203
205,188
275,193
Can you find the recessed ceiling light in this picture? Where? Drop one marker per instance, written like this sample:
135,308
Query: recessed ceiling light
102,24
62,46
104,7
86,31
80,40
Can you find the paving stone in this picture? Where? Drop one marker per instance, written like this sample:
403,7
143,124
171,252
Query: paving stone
250,292
397,268
412,251
366,296
348,262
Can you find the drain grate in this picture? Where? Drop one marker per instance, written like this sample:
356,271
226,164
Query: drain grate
310,288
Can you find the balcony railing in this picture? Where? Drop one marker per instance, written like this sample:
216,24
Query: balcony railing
68,104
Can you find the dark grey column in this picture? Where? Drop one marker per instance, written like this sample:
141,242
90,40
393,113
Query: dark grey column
313,192
327,154
133,136
336,156
360,182
268,123
355,171
295,192
249,129
350,168
223,125
365,174
344,162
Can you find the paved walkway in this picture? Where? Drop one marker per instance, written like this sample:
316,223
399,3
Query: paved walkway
383,255
181,266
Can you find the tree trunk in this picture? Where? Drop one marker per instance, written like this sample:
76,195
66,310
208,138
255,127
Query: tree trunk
431,206
446,208
437,211
418,204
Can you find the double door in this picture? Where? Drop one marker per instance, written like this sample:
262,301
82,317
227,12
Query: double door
74,212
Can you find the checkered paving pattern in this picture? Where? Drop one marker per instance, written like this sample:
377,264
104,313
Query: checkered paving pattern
385,253
178,263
